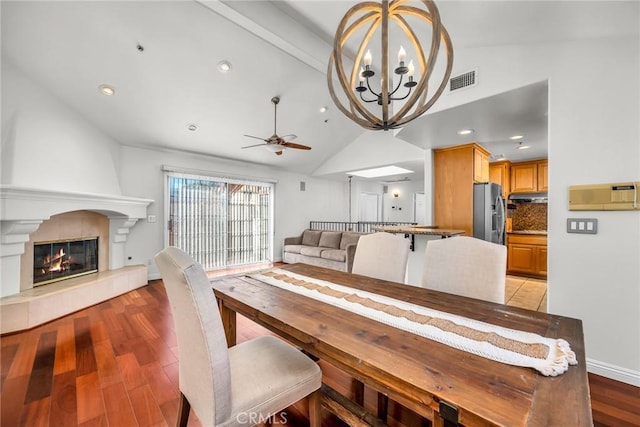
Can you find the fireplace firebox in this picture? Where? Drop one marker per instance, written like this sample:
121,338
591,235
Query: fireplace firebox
63,259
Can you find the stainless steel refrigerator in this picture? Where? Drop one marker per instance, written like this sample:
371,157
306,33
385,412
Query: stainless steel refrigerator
489,213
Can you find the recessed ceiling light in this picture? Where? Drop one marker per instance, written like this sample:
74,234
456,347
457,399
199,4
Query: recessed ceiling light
516,137
107,90
377,172
465,131
192,127
323,109
522,147
224,66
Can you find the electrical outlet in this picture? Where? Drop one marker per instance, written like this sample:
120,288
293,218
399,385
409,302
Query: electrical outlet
152,218
582,225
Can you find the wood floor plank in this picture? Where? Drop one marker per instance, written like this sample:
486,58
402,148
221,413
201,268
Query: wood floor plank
146,408
159,383
12,400
36,413
85,357
41,380
25,355
65,358
7,354
130,370
163,353
89,397
108,370
100,421
64,407
118,407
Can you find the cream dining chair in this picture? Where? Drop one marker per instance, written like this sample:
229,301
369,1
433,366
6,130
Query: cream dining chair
466,266
382,256
242,385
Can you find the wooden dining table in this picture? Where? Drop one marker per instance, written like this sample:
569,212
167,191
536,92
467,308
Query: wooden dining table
441,383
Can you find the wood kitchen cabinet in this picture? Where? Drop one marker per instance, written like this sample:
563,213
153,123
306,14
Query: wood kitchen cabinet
480,165
455,170
529,177
500,173
527,254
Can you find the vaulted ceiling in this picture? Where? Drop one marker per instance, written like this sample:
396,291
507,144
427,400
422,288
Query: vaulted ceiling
162,56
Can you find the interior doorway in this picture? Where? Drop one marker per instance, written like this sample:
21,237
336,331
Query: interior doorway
419,209
370,207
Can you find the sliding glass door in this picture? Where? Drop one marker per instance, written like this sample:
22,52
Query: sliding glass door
220,222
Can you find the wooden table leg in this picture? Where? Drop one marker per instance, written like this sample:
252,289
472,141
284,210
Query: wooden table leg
229,322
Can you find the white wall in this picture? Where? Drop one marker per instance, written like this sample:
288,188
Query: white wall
47,145
141,174
594,111
404,202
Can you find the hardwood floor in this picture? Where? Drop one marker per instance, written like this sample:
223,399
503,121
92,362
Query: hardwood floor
116,364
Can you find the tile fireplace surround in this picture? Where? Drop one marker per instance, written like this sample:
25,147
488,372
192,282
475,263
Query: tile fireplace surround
22,211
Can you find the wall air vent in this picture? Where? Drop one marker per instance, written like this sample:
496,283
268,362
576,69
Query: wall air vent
464,80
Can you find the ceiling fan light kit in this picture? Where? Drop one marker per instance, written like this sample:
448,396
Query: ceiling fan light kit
358,84
277,144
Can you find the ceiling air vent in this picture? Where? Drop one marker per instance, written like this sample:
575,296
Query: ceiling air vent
463,80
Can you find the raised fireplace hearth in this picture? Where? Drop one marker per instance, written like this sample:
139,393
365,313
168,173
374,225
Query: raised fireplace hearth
64,220
64,259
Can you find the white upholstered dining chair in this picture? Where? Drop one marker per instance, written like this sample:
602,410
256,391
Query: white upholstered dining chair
382,256
466,266
241,385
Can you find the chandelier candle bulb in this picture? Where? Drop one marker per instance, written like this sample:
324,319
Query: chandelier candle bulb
368,58
401,55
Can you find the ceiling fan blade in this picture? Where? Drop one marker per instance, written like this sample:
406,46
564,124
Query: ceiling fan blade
289,137
256,145
293,145
257,137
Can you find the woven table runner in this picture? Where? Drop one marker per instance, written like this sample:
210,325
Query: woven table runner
549,356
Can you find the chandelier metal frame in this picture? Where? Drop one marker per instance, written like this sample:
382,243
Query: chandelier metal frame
379,14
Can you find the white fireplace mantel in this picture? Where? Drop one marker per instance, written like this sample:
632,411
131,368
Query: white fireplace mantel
23,209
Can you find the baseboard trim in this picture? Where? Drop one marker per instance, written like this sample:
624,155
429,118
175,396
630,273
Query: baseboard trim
613,372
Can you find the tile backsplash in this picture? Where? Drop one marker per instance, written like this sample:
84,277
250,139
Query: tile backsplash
529,216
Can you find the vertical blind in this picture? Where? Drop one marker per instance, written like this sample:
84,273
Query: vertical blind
220,222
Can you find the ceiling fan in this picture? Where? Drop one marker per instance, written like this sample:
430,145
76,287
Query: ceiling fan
276,143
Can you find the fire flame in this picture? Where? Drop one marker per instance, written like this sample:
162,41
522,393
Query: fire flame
56,262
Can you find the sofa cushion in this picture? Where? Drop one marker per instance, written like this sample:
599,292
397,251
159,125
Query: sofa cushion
294,249
314,251
330,239
334,254
311,237
348,238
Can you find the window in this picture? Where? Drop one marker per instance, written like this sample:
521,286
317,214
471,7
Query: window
220,222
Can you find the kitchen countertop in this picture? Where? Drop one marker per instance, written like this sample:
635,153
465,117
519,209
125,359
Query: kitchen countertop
538,232
428,230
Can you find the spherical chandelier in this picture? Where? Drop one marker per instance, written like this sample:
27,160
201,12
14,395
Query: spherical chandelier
360,89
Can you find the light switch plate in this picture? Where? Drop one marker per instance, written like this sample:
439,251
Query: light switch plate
582,225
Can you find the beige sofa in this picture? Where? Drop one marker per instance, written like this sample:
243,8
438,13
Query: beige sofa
331,249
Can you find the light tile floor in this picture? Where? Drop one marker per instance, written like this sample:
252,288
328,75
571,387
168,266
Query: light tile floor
526,292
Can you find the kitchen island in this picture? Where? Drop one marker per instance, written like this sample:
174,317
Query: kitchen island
419,236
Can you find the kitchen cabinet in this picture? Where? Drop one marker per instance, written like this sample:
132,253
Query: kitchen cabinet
480,165
455,170
500,173
529,177
527,254
543,174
